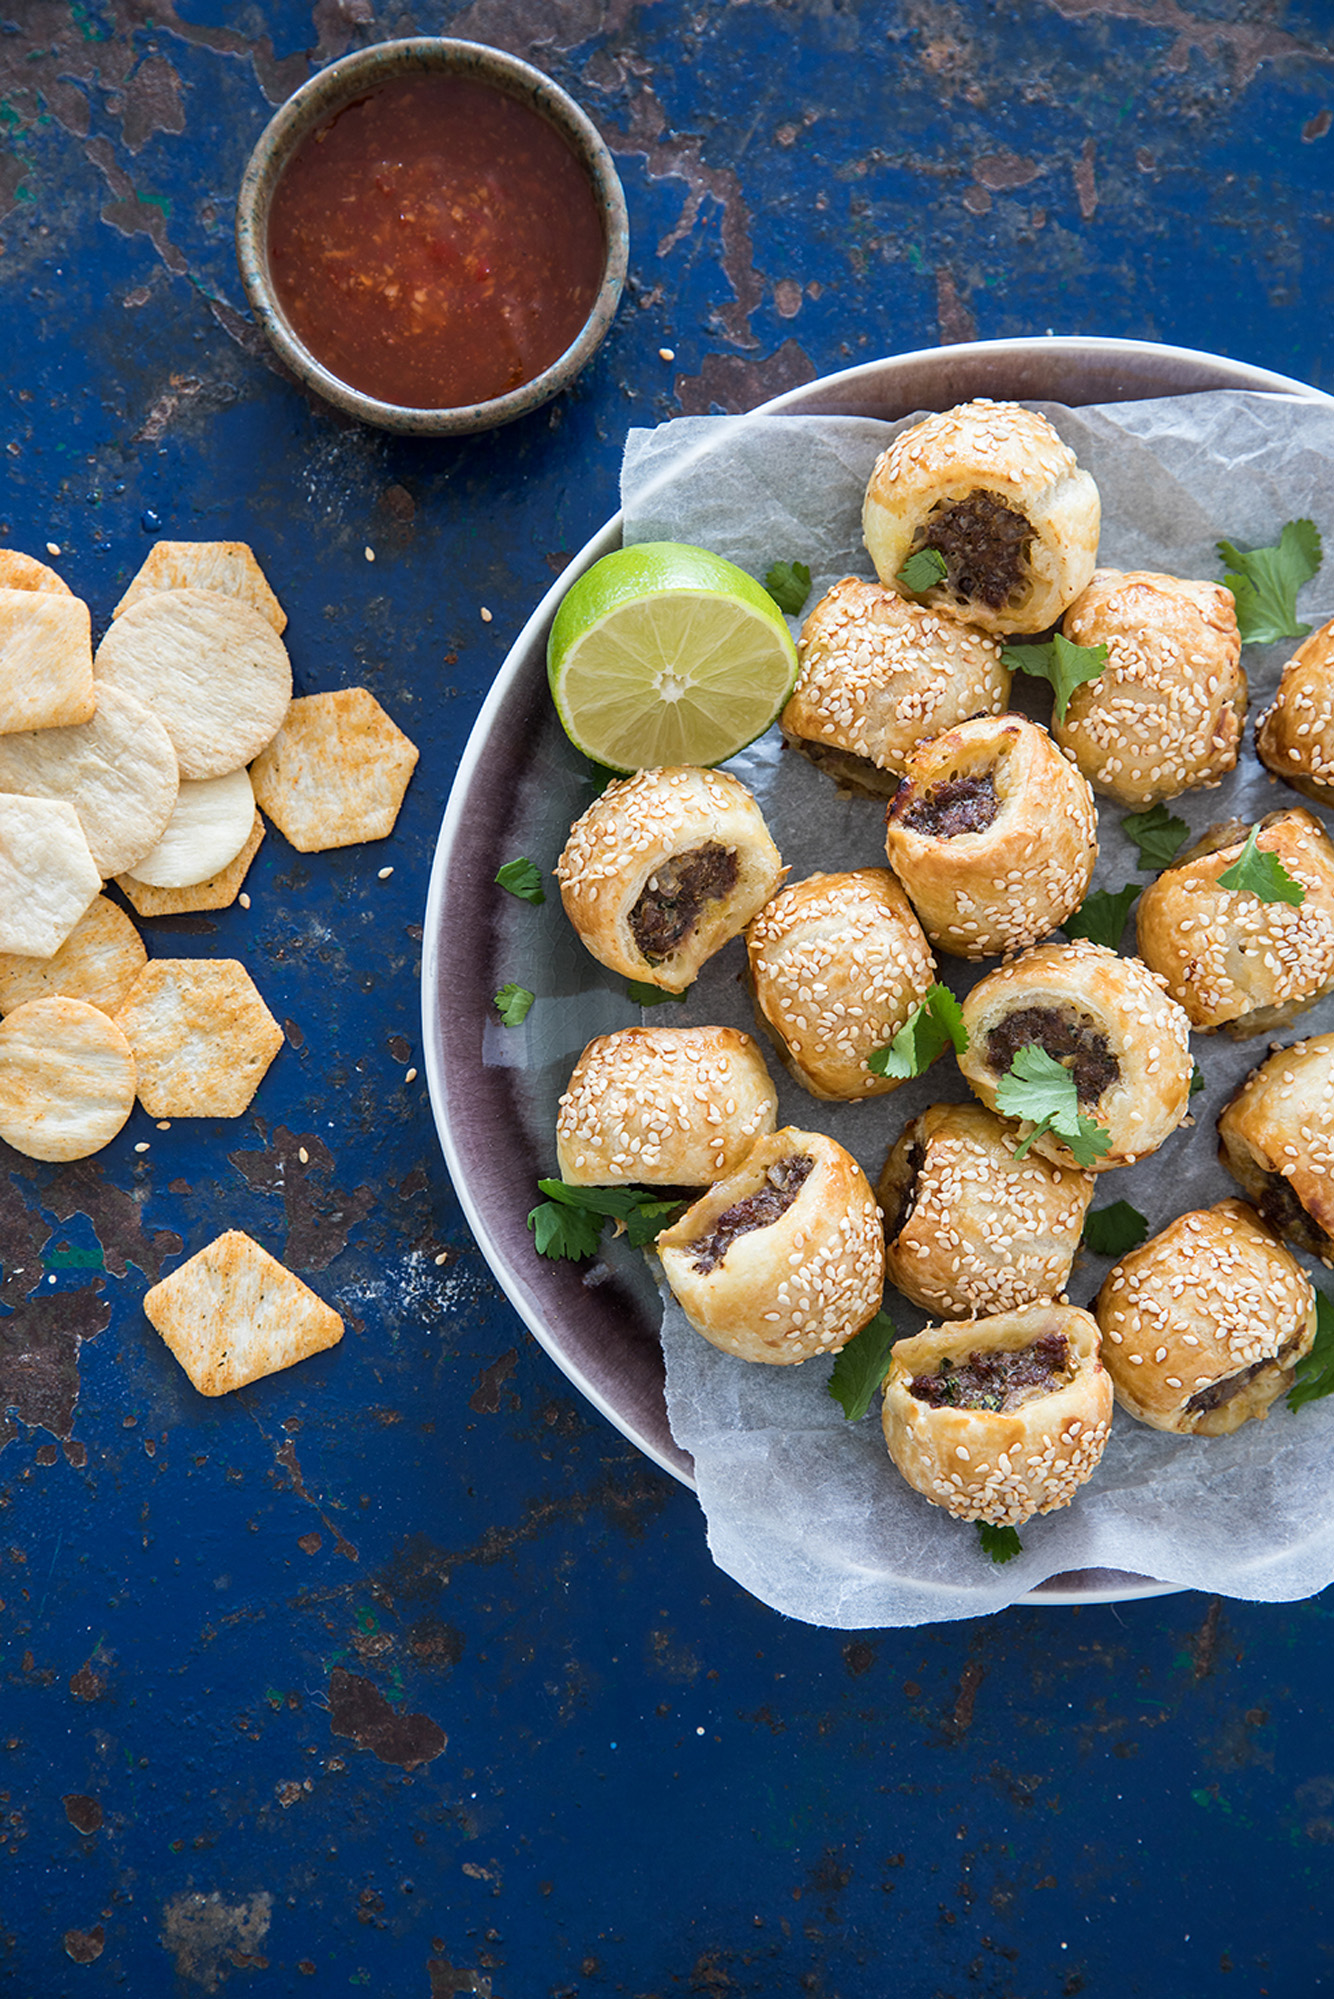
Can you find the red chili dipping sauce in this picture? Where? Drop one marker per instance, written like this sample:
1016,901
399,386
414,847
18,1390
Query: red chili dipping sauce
436,243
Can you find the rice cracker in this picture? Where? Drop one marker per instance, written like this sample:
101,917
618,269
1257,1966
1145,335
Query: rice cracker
47,876
46,660
66,1079
210,824
98,962
25,572
118,771
218,892
336,771
227,566
202,1037
233,1314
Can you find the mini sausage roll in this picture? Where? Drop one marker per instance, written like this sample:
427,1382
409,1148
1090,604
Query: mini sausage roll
1204,1324
1167,711
999,1418
1232,960
1276,1138
837,964
664,868
1107,1019
786,1257
971,1230
878,674
992,488
994,835
663,1107
1295,736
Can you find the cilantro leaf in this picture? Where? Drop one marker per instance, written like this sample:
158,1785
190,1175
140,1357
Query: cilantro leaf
1196,1080
513,1003
1261,873
935,1024
1101,917
560,1231
1157,833
1039,1089
522,878
923,570
1001,1543
1066,665
646,995
863,1365
789,584
1113,1230
1265,581
569,1222
1315,1371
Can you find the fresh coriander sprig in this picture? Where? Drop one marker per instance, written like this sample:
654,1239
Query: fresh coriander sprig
1113,1230
1315,1371
923,570
1196,1080
1264,582
1066,665
570,1221
1102,916
646,995
1040,1089
789,584
1001,1543
1157,833
935,1024
863,1365
513,1002
522,878
1261,873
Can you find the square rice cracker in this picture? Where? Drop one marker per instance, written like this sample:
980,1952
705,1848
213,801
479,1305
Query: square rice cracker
218,892
336,771
98,962
47,875
228,566
46,660
202,1037
233,1314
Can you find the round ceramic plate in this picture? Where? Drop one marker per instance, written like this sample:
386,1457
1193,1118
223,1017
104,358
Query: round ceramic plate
518,788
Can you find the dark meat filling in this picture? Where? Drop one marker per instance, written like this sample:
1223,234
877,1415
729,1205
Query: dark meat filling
984,544
783,1182
908,1197
1286,1216
959,805
1219,1392
669,908
1080,1049
996,1377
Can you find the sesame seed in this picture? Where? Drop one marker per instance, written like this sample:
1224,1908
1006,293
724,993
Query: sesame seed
142,1146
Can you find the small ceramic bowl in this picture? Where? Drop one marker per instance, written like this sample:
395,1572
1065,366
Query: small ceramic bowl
356,76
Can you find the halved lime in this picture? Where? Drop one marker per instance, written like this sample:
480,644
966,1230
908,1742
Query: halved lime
666,654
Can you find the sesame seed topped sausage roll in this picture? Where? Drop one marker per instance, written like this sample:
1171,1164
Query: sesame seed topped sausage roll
786,1257
1232,960
878,673
663,1107
1204,1324
999,1418
991,487
664,868
837,964
1295,736
971,1230
1276,1138
1167,711
1106,1019
994,835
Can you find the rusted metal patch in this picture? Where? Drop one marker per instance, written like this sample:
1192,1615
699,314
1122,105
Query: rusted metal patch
358,1710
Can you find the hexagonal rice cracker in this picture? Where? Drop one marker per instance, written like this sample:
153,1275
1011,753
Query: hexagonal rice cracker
229,566
233,1314
336,771
46,660
202,1036
47,876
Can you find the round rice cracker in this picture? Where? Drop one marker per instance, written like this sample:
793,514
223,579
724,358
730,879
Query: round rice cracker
98,962
213,819
25,572
118,771
67,1079
213,671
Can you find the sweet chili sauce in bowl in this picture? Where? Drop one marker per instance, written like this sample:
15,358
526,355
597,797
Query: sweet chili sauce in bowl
432,235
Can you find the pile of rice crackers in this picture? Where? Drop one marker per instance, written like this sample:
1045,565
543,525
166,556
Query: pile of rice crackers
147,763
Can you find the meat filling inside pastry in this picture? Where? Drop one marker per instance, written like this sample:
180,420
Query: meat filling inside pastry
1276,1138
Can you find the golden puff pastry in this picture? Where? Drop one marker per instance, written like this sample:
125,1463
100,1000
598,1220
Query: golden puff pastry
1295,736
786,1257
971,1230
879,673
664,869
991,487
1109,1020
837,964
999,1418
994,835
1232,960
1168,709
663,1107
1203,1325
1276,1138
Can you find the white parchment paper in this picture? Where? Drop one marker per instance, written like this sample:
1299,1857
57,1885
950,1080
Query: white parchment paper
803,1509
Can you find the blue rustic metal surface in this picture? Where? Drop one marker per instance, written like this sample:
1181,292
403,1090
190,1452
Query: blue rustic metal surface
403,1672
